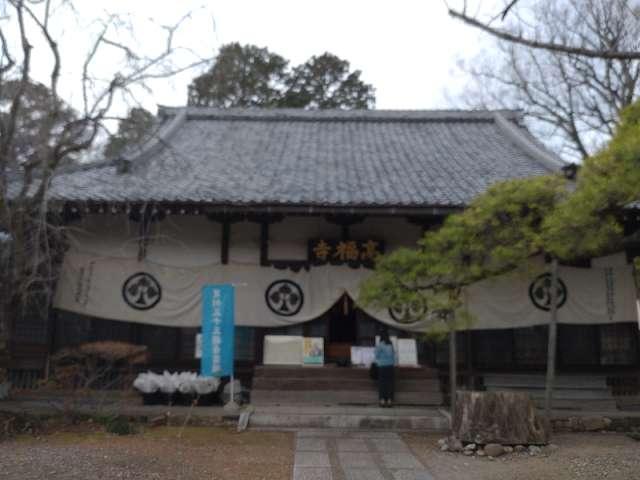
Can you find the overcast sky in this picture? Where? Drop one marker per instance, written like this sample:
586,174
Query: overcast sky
409,50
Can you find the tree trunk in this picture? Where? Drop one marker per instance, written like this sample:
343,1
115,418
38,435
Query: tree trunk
5,328
453,368
551,348
507,418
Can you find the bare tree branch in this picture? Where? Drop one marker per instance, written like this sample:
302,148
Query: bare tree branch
505,12
541,44
574,99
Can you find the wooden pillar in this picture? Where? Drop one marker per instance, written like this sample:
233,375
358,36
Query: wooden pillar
264,244
259,345
178,345
552,346
224,243
226,220
469,359
453,369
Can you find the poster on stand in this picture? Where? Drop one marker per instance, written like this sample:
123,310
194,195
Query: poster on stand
313,351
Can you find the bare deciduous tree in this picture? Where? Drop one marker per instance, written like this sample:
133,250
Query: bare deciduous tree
521,33
40,132
574,98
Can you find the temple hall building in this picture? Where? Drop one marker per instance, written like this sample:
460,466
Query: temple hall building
291,207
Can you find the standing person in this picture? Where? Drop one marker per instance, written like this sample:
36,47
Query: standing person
385,359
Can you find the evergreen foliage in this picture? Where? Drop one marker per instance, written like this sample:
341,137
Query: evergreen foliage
326,82
497,233
590,221
249,76
131,131
241,76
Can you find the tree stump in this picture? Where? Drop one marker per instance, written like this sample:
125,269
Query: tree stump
508,418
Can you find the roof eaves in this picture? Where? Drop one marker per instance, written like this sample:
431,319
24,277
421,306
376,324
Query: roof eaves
548,159
157,141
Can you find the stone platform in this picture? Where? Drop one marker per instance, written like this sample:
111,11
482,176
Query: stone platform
348,417
571,392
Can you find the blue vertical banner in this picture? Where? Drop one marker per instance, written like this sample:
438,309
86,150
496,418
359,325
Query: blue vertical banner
218,310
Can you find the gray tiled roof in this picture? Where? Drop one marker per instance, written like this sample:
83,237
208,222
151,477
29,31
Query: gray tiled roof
317,158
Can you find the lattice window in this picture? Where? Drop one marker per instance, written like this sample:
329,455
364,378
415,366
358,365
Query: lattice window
71,329
578,345
493,348
161,342
188,343
618,344
442,350
31,326
244,343
530,346
101,330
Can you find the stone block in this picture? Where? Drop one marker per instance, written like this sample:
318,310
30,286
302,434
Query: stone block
401,461
312,473
312,459
356,460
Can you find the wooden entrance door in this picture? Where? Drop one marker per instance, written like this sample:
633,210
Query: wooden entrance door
342,330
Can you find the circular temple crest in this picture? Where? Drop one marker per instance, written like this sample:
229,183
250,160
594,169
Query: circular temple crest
284,297
408,313
141,291
540,292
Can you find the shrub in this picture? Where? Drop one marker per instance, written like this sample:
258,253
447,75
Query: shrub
121,426
97,365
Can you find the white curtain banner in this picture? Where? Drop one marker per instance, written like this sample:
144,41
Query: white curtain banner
146,292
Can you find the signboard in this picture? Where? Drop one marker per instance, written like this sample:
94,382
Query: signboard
355,253
198,352
217,331
313,351
282,350
407,352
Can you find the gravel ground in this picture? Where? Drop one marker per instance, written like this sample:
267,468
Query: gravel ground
211,453
579,456
219,454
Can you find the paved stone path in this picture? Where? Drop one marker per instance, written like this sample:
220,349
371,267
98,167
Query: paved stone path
340,455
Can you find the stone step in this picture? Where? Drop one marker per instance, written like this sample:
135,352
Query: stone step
538,381
368,418
267,383
336,397
605,405
333,372
559,393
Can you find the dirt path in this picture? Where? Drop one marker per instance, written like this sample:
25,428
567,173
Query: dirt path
201,453
579,456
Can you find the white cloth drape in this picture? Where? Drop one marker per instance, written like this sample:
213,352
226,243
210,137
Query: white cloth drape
93,285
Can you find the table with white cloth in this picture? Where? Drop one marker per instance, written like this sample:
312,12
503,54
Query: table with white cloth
362,356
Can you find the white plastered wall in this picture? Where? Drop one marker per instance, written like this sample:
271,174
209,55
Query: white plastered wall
289,239
178,240
395,231
194,240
